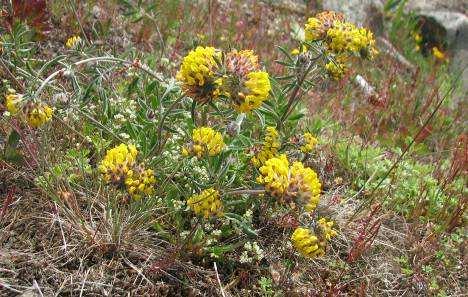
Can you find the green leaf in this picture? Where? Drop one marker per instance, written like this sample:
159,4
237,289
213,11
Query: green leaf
10,152
296,117
12,155
220,250
239,220
13,139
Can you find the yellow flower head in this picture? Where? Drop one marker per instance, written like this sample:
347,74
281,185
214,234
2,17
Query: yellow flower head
12,102
295,52
316,27
308,142
326,229
269,149
336,70
207,203
39,114
255,91
290,182
205,141
275,175
119,166
344,36
417,37
73,42
198,74
338,67
313,29
117,162
438,54
244,85
140,182
305,185
306,243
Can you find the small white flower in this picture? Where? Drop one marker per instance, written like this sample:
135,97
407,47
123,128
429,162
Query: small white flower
216,232
244,258
124,136
179,204
184,234
248,214
248,246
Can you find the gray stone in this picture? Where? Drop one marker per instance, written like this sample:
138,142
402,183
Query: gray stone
451,5
366,13
452,26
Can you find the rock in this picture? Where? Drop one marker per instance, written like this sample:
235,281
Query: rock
367,13
451,5
444,23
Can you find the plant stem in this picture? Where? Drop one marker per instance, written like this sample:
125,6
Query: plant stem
245,191
295,94
135,63
161,124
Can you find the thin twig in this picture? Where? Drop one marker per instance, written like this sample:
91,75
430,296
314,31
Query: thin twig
36,286
84,281
219,280
61,229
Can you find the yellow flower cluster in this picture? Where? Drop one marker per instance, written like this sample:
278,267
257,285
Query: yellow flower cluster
205,76
337,69
39,114
296,51
244,84
207,203
119,167
326,228
205,141
198,74
72,42
287,182
308,142
437,53
269,149
140,182
341,39
306,243
418,39
12,101
316,28
346,37
35,114
310,244
275,175
305,185
257,89
117,162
